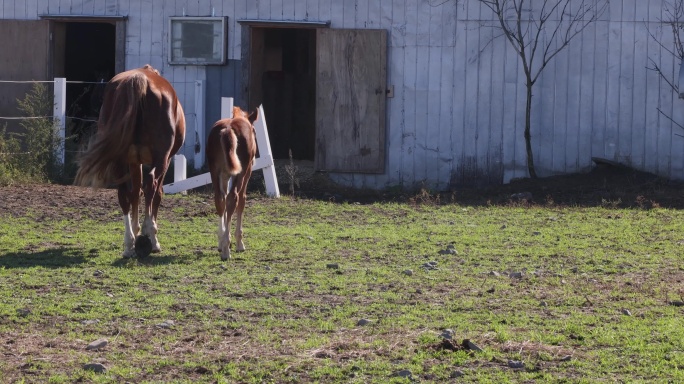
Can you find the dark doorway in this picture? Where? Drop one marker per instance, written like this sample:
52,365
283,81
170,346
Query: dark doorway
283,79
85,53
89,58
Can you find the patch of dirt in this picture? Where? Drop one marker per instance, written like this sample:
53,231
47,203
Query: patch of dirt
606,185
54,202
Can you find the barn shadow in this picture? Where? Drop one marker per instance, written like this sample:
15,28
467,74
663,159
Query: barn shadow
49,258
607,184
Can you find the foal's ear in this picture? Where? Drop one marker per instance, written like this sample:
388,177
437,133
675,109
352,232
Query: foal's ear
253,116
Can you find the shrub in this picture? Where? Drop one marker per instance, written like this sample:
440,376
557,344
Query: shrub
9,150
31,155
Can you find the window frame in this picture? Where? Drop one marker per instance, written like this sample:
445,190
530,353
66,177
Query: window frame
197,61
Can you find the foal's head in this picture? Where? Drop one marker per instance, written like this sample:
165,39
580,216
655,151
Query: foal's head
238,112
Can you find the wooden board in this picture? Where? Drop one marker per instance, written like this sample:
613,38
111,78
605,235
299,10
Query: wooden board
28,41
350,100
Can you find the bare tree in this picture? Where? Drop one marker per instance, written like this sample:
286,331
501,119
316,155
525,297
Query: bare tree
537,36
674,20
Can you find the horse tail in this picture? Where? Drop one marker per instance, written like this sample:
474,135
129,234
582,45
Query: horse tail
229,143
119,118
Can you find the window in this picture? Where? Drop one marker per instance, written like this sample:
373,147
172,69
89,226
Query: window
197,40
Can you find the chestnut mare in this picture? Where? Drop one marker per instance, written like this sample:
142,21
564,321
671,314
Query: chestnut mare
141,123
231,148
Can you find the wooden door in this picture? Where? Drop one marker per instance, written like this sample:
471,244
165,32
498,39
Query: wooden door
26,57
351,88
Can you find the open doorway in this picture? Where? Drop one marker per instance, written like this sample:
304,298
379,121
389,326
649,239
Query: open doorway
283,78
324,92
87,53
89,60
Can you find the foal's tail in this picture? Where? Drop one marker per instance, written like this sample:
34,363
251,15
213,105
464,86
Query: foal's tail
116,127
229,143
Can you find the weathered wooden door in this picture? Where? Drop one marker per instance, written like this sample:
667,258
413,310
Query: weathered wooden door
351,88
25,57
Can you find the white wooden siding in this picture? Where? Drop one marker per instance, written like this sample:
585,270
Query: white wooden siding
458,110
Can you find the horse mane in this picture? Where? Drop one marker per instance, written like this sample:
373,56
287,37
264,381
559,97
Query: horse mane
150,68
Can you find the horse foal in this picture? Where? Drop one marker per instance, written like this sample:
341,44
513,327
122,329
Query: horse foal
231,148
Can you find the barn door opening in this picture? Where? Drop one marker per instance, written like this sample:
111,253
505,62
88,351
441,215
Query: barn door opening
87,52
282,77
88,63
323,92
351,100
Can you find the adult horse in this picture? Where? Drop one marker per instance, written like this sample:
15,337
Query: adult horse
231,148
141,123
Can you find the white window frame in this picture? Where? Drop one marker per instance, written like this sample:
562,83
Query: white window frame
174,38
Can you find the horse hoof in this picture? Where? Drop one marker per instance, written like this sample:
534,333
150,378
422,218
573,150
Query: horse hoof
143,246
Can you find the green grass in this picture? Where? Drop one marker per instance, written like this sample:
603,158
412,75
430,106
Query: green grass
277,313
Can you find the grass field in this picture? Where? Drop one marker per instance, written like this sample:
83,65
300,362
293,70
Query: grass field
347,292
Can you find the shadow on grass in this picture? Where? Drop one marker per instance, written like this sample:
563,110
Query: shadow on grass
146,261
49,258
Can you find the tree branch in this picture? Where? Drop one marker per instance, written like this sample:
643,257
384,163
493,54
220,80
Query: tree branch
528,40
669,82
669,118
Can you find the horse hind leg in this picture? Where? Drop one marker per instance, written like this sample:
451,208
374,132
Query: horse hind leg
224,237
129,237
128,200
222,202
241,196
136,185
227,216
150,224
153,194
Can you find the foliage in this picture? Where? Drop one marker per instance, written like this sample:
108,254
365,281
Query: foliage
579,294
32,154
9,149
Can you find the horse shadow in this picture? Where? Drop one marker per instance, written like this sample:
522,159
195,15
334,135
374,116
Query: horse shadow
64,257
49,258
153,260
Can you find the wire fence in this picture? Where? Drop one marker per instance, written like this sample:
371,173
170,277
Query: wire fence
69,125
76,127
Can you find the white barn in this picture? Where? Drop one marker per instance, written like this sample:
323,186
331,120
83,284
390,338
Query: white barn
377,93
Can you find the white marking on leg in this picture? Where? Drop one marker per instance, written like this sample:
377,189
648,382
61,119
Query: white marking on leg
224,226
129,238
238,233
225,249
150,229
135,221
221,232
